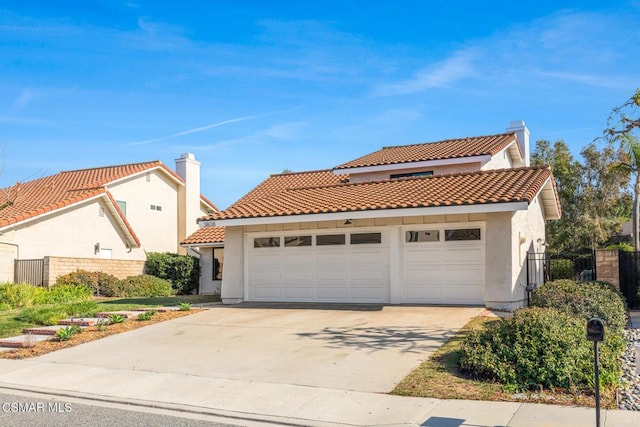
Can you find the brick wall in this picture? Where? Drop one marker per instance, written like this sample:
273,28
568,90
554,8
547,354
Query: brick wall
59,266
607,266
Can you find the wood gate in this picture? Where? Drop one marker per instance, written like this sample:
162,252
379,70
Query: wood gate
29,271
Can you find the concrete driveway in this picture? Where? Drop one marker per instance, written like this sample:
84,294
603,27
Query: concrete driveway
361,348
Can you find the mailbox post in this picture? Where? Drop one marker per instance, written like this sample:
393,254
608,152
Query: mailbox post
595,333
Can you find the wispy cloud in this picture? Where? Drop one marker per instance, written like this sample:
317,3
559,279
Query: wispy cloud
210,126
441,74
25,97
609,82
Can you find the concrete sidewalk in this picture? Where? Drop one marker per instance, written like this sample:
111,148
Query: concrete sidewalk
250,402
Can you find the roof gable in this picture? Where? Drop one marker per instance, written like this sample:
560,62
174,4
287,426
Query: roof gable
448,149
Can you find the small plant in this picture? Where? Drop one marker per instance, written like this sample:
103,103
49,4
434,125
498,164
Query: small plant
147,315
101,324
116,318
66,333
185,306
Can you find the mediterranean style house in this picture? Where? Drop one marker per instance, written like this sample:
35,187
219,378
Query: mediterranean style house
103,218
447,222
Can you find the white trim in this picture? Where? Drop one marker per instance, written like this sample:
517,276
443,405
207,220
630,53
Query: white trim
203,245
377,213
412,165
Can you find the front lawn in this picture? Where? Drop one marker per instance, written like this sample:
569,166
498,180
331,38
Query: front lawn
12,322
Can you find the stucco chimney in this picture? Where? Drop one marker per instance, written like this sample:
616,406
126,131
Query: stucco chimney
522,132
188,196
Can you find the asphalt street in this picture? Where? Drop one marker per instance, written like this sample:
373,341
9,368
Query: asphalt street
32,410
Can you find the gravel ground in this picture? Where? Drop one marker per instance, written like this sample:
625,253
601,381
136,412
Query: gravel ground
630,392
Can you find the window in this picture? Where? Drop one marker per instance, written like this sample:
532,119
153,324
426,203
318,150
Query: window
123,206
297,241
410,174
156,208
422,236
366,238
266,242
218,262
330,239
462,234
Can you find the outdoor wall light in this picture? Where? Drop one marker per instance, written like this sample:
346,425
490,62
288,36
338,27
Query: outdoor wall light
347,222
96,248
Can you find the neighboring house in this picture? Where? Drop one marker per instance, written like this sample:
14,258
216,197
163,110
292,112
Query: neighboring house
448,222
107,213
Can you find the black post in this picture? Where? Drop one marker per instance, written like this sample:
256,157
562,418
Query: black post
597,369
595,333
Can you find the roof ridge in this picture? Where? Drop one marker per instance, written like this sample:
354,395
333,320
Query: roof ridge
447,140
301,172
109,167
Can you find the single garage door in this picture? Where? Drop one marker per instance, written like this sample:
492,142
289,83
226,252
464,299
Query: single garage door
444,265
331,266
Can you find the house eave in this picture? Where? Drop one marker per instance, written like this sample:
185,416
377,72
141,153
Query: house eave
374,213
413,165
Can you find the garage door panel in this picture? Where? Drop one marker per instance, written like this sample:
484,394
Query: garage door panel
416,275
299,293
367,293
267,292
265,259
466,274
267,277
297,275
291,259
462,255
332,293
426,256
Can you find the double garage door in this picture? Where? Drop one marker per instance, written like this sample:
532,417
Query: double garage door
440,265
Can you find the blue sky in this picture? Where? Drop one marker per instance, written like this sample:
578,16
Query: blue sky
254,87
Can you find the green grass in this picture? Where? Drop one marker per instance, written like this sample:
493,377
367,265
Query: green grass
12,322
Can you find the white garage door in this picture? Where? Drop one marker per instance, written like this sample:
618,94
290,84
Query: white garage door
444,265
327,266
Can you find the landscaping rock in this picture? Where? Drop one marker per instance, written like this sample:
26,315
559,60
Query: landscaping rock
630,391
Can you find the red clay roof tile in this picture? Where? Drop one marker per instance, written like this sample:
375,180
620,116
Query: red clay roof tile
206,235
279,196
447,149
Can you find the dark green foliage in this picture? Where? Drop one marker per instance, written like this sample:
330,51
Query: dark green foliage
103,284
539,347
183,271
561,268
146,286
584,300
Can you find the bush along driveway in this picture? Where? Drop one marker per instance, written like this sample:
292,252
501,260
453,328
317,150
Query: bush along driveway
539,354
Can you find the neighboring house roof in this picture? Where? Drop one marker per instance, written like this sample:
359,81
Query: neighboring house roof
208,203
472,188
29,200
448,149
205,235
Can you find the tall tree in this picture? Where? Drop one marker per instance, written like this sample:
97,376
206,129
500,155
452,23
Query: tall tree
623,125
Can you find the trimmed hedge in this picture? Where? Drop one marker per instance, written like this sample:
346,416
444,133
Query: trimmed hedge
545,345
584,300
146,286
103,284
183,271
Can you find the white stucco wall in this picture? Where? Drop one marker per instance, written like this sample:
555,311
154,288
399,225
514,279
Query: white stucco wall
156,230
208,286
233,274
73,232
8,253
501,160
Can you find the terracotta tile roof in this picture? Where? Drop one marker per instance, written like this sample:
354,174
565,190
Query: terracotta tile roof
279,182
209,202
206,235
27,200
447,149
474,188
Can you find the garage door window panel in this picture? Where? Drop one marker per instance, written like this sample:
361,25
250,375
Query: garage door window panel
297,241
330,239
266,242
462,234
422,236
365,238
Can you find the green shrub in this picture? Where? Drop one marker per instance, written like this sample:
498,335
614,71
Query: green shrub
116,318
183,271
103,284
185,306
20,295
66,333
539,347
146,286
622,246
561,268
147,315
584,300
51,314
65,293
